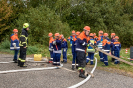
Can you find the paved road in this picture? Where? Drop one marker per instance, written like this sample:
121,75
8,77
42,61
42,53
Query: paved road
57,78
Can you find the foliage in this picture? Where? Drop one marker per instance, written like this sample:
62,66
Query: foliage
5,14
5,44
106,15
32,50
63,16
42,21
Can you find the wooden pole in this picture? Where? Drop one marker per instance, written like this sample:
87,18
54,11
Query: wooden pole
112,56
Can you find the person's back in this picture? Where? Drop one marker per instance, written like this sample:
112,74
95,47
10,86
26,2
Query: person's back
23,45
116,48
15,44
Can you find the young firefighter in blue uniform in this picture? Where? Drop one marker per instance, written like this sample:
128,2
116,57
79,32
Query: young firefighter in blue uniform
106,48
15,44
71,38
74,51
95,37
91,50
116,48
81,44
99,43
64,46
50,47
23,45
111,45
56,50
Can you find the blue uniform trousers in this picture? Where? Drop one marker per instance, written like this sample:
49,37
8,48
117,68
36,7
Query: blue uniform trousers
56,58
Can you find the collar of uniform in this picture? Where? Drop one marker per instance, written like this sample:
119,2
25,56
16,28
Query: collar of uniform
51,38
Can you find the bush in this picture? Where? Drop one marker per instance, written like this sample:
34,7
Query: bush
32,50
5,44
42,20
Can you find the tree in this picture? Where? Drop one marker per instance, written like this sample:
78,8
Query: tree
42,20
5,15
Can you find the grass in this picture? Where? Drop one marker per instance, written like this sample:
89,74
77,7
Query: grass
122,66
44,50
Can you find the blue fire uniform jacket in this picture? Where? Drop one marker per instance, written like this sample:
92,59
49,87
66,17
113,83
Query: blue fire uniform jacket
14,42
82,42
71,40
50,44
64,43
99,42
106,44
56,46
116,46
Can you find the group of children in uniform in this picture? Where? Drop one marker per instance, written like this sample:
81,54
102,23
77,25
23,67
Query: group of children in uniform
56,45
102,42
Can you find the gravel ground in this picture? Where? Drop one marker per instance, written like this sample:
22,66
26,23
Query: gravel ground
57,78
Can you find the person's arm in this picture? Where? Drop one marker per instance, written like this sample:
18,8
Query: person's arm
23,39
83,43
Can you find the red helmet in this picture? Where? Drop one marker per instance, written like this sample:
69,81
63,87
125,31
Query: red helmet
77,33
116,37
73,31
15,30
61,35
100,31
57,34
91,34
50,34
87,28
105,34
113,34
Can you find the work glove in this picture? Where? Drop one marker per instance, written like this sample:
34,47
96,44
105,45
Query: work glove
54,42
91,43
95,46
14,44
64,50
51,47
88,45
70,44
71,38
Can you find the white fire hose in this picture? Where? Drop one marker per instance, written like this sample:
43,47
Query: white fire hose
31,69
85,80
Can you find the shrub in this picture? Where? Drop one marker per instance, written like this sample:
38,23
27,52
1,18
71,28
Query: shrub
5,44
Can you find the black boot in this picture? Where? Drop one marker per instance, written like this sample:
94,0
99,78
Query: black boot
22,64
76,67
15,61
72,67
62,61
18,62
112,60
82,74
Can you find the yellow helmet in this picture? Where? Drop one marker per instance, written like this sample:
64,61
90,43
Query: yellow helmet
26,25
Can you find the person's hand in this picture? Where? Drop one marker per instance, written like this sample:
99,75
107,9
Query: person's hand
25,47
88,45
91,43
54,42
